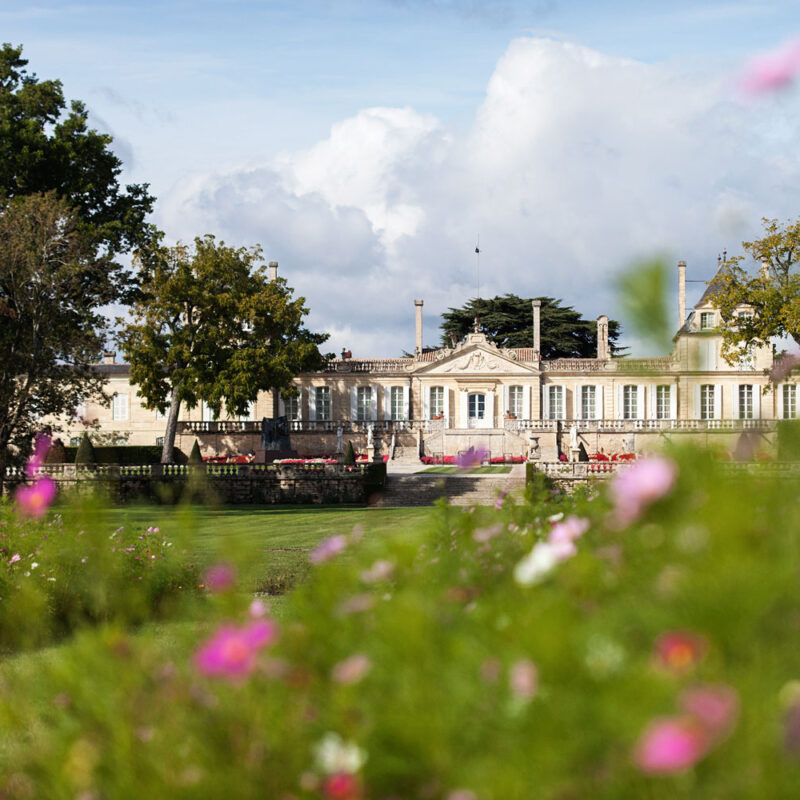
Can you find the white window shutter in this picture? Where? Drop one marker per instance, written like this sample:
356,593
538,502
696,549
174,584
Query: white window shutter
353,402
281,406
300,404
652,402
312,402
673,402
426,402
734,402
640,402
598,403
387,402
374,408
780,402
447,406
697,410
545,402
756,401
489,409
405,403
577,396
717,401
526,402
463,409
506,408
620,402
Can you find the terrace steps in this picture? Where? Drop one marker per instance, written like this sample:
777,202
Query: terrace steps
459,490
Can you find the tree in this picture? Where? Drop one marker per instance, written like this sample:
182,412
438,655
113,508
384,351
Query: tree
507,321
86,453
208,325
773,293
53,283
45,147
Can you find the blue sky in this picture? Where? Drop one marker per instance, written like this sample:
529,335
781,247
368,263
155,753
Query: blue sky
365,144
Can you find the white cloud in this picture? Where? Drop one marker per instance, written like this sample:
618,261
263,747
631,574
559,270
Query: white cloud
575,163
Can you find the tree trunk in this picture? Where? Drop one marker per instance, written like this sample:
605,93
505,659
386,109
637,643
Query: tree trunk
168,450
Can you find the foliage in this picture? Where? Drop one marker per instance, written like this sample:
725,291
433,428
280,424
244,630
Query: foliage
123,454
772,294
46,147
57,454
643,289
349,455
209,325
419,664
507,321
86,453
53,283
195,457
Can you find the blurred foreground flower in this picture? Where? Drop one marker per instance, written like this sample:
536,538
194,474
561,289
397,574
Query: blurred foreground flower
679,651
671,744
715,708
220,578
559,546
333,755
635,488
328,548
523,677
231,652
352,669
40,448
34,499
473,457
772,71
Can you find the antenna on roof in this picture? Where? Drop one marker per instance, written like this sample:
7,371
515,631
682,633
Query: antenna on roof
478,281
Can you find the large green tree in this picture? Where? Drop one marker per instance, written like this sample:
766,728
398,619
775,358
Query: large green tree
770,288
208,325
507,321
53,283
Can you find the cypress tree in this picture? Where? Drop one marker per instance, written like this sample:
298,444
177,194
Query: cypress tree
85,454
349,455
195,456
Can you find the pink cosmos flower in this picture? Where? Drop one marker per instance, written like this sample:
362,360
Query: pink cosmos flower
342,786
523,678
381,570
679,651
40,448
352,669
473,457
328,548
231,652
220,578
715,708
772,71
670,744
16,557
636,487
257,609
34,499
570,530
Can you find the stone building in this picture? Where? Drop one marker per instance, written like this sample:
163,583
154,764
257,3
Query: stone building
510,401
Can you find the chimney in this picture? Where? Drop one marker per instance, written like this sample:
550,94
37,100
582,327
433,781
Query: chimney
603,351
109,356
681,293
765,269
273,270
537,306
418,328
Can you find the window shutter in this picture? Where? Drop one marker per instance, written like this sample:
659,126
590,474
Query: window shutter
489,411
673,402
640,402
353,402
620,402
599,412
374,404
463,409
426,402
652,402
780,402
734,402
712,356
447,406
697,411
405,403
545,402
506,407
312,402
526,402
756,401
577,397
387,402
717,401
300,404
281,406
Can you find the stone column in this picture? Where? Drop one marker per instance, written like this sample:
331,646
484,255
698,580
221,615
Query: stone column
418,328
603,351
273,270
681,293
537,343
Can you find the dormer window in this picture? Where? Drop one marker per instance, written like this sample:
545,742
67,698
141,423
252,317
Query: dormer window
707,321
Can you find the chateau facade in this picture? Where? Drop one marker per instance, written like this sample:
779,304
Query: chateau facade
510,401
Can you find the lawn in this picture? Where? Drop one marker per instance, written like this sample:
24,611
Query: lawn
487,470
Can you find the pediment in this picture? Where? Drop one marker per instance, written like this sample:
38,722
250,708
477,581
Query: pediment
479,360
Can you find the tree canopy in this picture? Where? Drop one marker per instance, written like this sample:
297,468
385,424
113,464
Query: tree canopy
208,325
772,292
507,321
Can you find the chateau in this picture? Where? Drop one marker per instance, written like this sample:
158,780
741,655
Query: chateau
511,401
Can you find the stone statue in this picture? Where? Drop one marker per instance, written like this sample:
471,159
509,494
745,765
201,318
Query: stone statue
339,441
370,427
573,437
628,443
533,448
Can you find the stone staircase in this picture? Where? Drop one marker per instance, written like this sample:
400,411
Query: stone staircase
406,455
460,490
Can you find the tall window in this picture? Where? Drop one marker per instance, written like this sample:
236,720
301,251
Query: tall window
515,401
744,316
588,402
663,404
555,396
436,401
119,406
291,405
790,401
250,414
630,402
364,403
396,402
323,402
476,406
745,401
707,401
706,320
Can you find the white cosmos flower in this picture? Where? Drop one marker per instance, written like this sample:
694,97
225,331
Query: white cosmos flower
334,755
536,564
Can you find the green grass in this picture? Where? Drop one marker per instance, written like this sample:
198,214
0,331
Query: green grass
270,543
494,469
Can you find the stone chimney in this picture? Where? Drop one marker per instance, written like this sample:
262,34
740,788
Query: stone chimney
765,270
418,328
273,270
681,293
109,356
537,342
603,350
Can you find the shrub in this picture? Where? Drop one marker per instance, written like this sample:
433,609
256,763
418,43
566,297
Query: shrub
349,455
85,454
57,454
195,457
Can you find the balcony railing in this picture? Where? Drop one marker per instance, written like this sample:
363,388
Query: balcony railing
629,425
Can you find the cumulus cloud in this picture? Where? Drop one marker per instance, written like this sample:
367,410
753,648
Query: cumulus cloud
575,163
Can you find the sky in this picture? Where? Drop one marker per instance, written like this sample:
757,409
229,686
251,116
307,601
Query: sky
368,145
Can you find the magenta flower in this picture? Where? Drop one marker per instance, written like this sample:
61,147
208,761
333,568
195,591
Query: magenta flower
328,548
232,652
679,651
220,578
772,71
16,557
523,677
570,530
714,708
636,487
34,499
352,669
670,744
473,457
40,448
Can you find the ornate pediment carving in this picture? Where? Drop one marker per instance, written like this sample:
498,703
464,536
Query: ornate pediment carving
476,361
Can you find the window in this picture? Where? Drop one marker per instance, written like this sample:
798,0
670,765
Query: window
746,360
515,401
436,401
745,401
119,406
707,401
706,320
663,398
630,402
588,402
74,441
364,403
396,403
206,414
250,414
323,402
159,441
744,316
291,405
477,406
555,396
790,401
